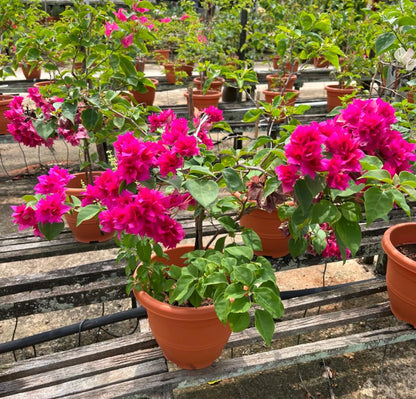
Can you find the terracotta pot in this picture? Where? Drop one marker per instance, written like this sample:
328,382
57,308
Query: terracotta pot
192,338
288,67
401,271
162,56
276,81
31,75
5,100
187,68
202,101
266,225
147,97
320,62
333,95
170,73
410,97
269,95
88,231
216,84
140,64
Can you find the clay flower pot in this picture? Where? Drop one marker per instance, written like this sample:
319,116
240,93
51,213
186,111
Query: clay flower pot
266,225
88,231
276,81
201,100
401,271
5,100
216,84
29,73
288,67
147,98
334,93
320,62
170,73
192,338
269,95
162,56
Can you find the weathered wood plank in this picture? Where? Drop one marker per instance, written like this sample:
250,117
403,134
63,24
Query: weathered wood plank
99,350
250,364
88,375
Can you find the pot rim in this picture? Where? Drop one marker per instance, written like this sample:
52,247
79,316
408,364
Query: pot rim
389,244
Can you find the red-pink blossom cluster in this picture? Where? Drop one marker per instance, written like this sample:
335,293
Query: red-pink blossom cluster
334,147
50,205
22,115
137,209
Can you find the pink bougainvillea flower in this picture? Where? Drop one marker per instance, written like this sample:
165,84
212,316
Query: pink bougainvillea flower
110,27
287,174
24,216
202,39
53,182
144,20
184,16
120,15
137,8
165,20
127,41
169,162
51,208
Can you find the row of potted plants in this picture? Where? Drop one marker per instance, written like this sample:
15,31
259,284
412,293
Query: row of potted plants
319,179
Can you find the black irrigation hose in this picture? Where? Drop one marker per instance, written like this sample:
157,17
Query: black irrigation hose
138,313
77,328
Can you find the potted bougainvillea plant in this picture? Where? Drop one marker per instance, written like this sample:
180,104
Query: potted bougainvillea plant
156,177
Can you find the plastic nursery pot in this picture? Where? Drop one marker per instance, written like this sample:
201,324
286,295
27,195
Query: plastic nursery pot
192,338
201,100
276,81
334,93
147,98
288,67
88,231
216,84
401,271
5,100
266,225
187,68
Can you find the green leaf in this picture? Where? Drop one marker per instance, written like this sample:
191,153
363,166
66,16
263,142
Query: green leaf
240,252
235,290
90,118
297,247
233,180
400,200
325,212
377,204
251,239
215,279
238,321
243,274
370,162
44,130
269,300
349,233
203,191
69,110
183,289
351,211
203,170
378,174
222,306
51,230
240,305
252,115
228,223
319,240
271,186
265,325
303,194
87,212
144,250
384,41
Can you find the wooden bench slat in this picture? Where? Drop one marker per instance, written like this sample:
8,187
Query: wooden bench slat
78,355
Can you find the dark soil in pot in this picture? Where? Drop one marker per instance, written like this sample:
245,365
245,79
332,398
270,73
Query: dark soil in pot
408,250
